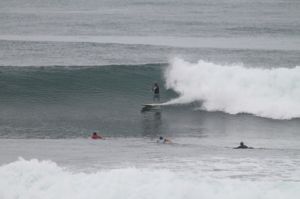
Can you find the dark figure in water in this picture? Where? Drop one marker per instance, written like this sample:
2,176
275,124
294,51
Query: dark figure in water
163,140
155,90
243,146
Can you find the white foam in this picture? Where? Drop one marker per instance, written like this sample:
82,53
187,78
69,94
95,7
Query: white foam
45,179
272,93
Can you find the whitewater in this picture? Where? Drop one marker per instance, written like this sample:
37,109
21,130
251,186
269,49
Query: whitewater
272,93
44,179
114,168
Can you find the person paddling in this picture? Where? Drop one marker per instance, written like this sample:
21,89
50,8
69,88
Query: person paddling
163,140
243,146
95,136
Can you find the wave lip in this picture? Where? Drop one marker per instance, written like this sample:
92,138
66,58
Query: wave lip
271,93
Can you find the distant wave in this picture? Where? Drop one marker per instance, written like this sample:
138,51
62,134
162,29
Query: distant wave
45,179
262,43
271,93
80,66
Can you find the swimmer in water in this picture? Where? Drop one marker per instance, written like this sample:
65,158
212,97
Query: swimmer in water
95,136
163,140
243,146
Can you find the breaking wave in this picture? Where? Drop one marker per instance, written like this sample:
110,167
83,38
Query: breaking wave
35,179
271,93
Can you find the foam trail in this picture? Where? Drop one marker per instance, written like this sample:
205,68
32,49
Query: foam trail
272,93
44,179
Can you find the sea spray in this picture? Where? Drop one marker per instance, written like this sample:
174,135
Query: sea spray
272,93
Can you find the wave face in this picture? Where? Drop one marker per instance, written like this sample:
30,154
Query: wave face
45,179
72,101
272,93
67,101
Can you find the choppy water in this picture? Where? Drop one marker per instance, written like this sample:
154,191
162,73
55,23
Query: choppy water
228,70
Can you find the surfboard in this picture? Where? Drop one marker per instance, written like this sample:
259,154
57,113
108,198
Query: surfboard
148,107
151,105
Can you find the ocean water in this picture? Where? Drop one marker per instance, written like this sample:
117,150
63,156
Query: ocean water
228,70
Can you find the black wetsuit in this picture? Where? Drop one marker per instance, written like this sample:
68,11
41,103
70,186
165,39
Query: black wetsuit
156,90
156,96
242,147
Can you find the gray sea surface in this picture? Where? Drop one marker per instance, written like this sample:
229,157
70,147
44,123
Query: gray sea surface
71,67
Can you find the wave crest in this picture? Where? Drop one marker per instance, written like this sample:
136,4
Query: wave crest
272,93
